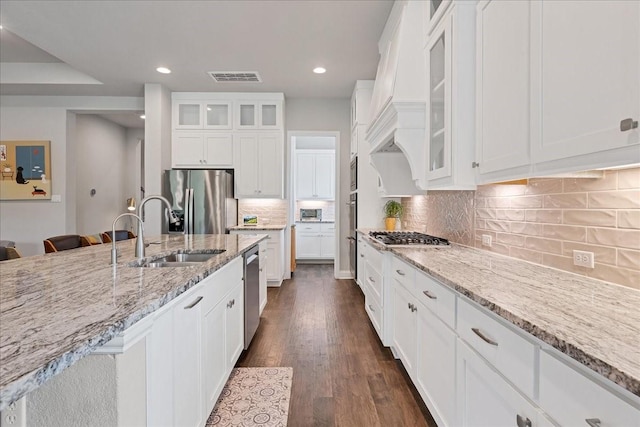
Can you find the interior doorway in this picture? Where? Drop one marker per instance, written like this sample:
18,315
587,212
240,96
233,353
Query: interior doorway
313,190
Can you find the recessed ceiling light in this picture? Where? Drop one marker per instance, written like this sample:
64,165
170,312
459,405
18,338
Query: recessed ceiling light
142,116
319,70
163,70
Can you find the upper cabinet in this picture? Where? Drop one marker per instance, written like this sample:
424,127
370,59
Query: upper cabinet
555,94
202,115
450,127
258,115
315,175
259,169
360,102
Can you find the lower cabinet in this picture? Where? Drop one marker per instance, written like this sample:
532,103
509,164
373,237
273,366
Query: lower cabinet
263,275
274,254
484,398
404,326
315,241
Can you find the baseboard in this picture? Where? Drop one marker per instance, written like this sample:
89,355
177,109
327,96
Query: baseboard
344,274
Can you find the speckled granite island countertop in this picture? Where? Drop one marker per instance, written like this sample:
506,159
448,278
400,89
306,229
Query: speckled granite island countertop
57,308
594,322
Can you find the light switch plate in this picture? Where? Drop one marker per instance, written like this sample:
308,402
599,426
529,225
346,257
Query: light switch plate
56,198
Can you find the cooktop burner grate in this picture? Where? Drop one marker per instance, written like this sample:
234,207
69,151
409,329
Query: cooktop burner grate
407,238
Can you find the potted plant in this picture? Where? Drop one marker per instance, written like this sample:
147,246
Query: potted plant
392,211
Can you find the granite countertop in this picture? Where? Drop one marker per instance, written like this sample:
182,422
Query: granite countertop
594,322
315,222
259,227
56,308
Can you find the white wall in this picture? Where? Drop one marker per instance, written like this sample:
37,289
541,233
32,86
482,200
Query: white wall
48,118
101,165
331,114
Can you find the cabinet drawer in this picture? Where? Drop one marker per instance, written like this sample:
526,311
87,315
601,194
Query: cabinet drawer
434,295
586,400
403,273
329,227
306,227
373,280
374,311
374,257
506,350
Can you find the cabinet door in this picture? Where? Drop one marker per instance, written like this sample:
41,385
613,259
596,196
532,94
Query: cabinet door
404,326
273,260
217,115
214,365
187,115
502,86
438,130
246,178
160,377
484,398
308,246
263,275
270,178
187,390
305,175
246,115
327,245
270,115
325,176
234,331
187,149
436,366
218,150
360,273
586,75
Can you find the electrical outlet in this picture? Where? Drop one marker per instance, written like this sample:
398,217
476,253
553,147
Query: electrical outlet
486,240
15,415
583,259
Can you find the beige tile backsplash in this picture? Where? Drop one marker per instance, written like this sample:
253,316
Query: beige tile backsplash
544,221
271,211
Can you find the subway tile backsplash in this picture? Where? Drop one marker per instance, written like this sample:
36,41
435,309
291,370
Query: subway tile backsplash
544,221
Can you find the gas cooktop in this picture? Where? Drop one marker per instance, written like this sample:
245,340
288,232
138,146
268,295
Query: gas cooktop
412,238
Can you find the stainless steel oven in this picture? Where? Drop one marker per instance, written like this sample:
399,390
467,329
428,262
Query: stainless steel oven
353,224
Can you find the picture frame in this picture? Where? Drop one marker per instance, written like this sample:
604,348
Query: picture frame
25,168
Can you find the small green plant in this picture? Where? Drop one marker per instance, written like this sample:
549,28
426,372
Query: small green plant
392,209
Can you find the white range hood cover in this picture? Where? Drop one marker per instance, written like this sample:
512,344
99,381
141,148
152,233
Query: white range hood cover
397,131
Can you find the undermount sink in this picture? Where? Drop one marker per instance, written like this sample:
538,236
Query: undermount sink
183,259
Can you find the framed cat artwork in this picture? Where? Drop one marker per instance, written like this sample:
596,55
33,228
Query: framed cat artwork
26,170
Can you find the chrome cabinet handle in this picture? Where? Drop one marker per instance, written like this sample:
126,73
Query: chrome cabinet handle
361,256
193,304
429,295
413,308
593,422
371,279
400,272
625,125
409,305
371,308
484,337
523,422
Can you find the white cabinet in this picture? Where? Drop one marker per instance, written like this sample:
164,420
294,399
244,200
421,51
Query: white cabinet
450,130
202,150
584,83
214,373
484,398
259,169
404,326
360,102
187,366
194,114
315,241
502,89
360,253
234,331
258,114
263,274
587,400
274,254
315,174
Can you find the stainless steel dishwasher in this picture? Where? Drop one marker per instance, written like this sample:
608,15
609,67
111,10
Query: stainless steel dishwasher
251,294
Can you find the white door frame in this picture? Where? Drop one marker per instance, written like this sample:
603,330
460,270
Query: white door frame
291,147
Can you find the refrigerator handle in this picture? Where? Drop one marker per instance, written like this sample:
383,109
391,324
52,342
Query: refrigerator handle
191,212
187,211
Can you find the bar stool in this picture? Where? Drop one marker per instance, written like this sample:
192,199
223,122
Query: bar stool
8,252
120,235
63,243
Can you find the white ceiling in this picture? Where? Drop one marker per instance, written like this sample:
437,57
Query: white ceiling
120,43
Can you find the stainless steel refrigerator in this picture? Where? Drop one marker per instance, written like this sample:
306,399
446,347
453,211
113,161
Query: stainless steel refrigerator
202,199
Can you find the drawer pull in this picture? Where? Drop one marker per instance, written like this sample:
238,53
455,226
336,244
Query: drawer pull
361,256
593,422
371,279
430,295
193,304
484,338
413,308
400,272
523,422
371,308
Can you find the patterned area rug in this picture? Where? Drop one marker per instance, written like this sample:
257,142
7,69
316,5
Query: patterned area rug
254,397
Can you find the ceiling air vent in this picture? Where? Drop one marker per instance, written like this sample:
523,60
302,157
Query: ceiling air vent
235,76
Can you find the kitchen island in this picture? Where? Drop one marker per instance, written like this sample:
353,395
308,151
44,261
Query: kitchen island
57,308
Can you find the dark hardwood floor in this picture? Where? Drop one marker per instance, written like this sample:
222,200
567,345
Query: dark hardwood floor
342,375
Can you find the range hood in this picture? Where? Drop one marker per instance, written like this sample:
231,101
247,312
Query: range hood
396,132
